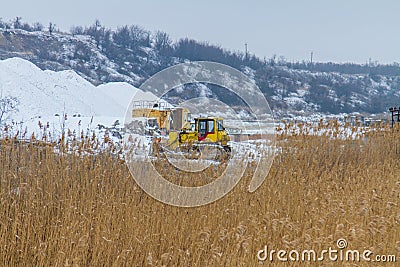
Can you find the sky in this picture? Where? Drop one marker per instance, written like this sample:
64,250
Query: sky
341,31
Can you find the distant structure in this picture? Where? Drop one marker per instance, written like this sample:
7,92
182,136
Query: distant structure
245,51
311,57
395,115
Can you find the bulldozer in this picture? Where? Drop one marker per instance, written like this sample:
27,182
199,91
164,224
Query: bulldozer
184,134
204,132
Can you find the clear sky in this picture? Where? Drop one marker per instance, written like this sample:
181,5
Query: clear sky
335,30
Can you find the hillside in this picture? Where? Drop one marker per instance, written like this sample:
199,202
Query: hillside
101,56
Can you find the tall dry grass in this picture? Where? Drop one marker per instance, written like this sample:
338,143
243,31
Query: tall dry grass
78,209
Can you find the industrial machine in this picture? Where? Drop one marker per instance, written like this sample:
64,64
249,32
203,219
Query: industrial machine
207,131
160,117
160,120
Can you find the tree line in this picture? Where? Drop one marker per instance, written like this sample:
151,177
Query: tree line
134,37
149,52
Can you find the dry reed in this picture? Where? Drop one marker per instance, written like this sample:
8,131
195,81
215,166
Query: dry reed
84,209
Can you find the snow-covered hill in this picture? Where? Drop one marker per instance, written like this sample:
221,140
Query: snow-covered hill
291,89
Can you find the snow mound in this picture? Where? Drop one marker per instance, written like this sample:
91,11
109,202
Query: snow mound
47,93
123,93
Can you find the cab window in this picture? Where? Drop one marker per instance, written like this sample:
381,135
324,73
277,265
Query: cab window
210,126
202,128
220,125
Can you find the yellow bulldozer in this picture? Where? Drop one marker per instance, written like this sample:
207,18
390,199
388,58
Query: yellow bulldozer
183,132
206,131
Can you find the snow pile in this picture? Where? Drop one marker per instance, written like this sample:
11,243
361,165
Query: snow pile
47,93
44,96
125,94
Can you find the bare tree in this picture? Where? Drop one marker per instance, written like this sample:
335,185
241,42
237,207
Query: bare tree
97,32
122,36
76,30
162,40
17,23
37,27
8,105
139,36
51,27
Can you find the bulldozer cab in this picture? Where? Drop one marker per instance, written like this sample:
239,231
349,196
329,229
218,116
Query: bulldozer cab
211,129
206,127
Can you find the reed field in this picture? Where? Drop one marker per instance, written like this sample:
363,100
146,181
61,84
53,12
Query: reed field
84,209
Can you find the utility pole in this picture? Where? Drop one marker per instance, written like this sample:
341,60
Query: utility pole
245,50
395,115
311,57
